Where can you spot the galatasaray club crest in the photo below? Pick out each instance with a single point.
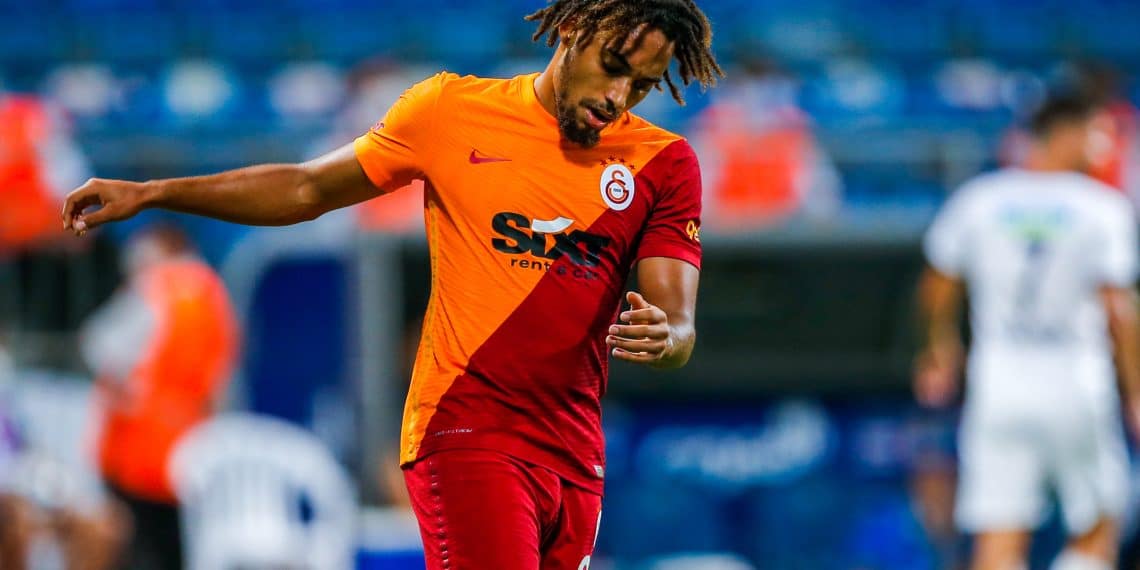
(617, 185)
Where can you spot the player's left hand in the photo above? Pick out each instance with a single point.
(645, 338)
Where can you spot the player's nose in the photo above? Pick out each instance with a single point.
(618, 94)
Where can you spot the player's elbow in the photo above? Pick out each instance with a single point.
(307, 203)
(1120, 307)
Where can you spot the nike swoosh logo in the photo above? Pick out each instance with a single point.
(551, 226)
(476, 159)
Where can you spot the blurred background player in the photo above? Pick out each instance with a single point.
(1049, 257)
(1116, 148)
(162, 350)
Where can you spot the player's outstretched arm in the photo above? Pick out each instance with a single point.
(264, 195)
(1124, 327)
(939, 361)
(658, 328)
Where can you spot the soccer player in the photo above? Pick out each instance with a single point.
(1049, 257)
(542, 193)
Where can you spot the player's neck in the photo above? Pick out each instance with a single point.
(1043, 159)
(544, 88)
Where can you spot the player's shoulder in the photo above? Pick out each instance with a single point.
(457, 88)
(994, 179)
(984, 186)
(1101, 196)
(636, 127)
(662, 143)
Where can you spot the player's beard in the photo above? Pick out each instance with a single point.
(572, 130)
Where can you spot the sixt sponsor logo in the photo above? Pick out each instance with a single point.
(547, 241)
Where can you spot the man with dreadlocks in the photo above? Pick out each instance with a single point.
(542, 193)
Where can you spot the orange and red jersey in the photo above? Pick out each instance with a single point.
(531, 241)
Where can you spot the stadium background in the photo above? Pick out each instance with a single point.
(789, 441)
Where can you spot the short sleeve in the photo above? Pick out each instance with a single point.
(946, 240)
(399, 148)
(674, 226)
(1118, 263)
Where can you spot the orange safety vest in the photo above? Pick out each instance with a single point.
(759, 170)
(176, 383)
(29, 212)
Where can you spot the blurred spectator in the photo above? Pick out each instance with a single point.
(45, 514)
(39, 164)
(760, 161)
(162, 349)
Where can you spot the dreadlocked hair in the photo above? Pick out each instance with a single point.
(680, 20)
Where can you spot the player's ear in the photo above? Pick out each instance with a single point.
(567, 33)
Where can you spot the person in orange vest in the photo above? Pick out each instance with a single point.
(162, 349)
(761, 163)
(38, 164)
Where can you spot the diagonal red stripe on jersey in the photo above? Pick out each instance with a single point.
(533, 389)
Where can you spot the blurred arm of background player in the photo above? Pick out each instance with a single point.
(265, 195)
(1124, 326)
(939, 363)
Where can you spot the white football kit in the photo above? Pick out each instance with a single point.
(1041, 416)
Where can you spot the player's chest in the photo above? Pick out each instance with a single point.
(542, 198)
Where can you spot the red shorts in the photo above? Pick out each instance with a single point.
(483, 510)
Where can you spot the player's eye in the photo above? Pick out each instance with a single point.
(611, 67)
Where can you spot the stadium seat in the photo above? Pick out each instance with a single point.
(1012, 29)
(899, 29)
(348, 36)
(128, 36)
(258, 492)
(33, 38)
(248, 36)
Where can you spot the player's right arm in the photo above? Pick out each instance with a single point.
(939, 362)
(941, 292)
(1117, 269)
(397, 150)
(264, 195)
(1123, 314)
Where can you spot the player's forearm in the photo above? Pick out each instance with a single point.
(265, 195)
(1124, 327)
(939, 305)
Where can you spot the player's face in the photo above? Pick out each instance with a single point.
(599, 81)
(1084, 143)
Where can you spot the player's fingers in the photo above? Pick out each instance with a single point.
(659, 332)
(636, 301)
(637, 357)
(91, 220)
(78, 201)
(648, 316)
(637, 345)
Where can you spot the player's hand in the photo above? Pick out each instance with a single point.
(645, 336)
(936, 374)
(116, 199)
